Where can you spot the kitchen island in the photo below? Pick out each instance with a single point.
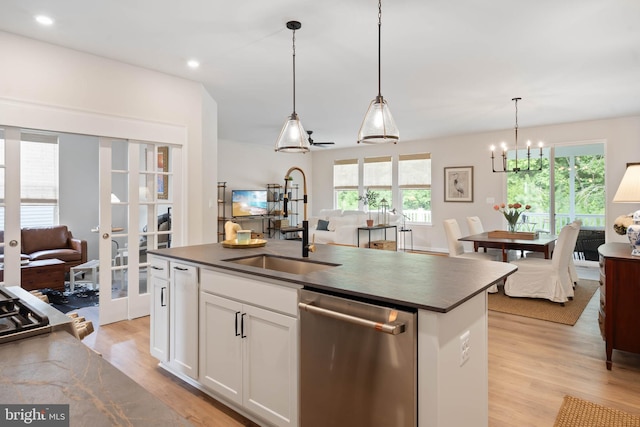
(448, 294)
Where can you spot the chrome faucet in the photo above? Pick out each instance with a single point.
(306, 247)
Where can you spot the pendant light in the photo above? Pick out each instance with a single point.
(378, 125)
(292, 137)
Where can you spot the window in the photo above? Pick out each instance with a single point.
(345, 184)
(377, 177)
(38, 180)
(414, 183)
(575, 190)
(412, 189)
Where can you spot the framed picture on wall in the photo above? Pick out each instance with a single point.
(458, 184)
(163, 166)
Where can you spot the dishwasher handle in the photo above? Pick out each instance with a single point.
(387, 328)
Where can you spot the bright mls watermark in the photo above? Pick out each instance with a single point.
(34, 415)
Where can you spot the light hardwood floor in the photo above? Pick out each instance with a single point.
(533, 364)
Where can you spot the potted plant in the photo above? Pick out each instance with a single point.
(370, 199)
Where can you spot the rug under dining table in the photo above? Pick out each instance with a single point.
(543, 309)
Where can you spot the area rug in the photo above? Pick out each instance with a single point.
(544, 309)
(576, 412)
(69, 301)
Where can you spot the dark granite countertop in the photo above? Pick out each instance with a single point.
(429, 282)
(57, 368)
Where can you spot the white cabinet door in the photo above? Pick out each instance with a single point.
(270, 365)
(159, 341)
(159, 322)
(221, 346)
(183, 336)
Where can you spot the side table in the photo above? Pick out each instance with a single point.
(89, 265)
(378, 227)
(404, 232)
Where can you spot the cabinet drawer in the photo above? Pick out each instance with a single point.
(603, 289)
(262, 294)
(601, 265)
(601, 322)
(159, 267)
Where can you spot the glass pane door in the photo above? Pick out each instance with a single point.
(136, 212)
(575, 172)
(579, 188)
(10, 205)
(531, 188)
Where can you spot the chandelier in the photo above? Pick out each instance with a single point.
(516, 167)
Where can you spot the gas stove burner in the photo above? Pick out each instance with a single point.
(18, 319)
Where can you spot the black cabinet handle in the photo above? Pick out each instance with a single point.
(162, 303)
(237, 333)
(242, 335)
(181, 268)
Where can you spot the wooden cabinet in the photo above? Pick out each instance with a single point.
(619, 316)
(158, 274)
(248, 345)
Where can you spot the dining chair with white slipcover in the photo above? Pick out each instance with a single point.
(546, 278)
(573, 273)
(475, 227)
(456, 248)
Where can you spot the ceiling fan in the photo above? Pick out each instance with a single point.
(312, 142)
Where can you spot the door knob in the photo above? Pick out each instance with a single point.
(105, 236)
(13, 243)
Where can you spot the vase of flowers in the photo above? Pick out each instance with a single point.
(512, 213)
(370, 199)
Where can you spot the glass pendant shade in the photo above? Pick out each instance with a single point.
(378, 126)
(293, 138)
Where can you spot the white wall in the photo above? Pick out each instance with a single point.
(622, 145)
(252, 166)
(43, 86)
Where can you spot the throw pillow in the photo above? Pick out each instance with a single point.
(322, 225)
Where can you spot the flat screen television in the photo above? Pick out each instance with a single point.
(248, 202)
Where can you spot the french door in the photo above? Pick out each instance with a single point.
(138, 207)
(10, 203)
(570, 186)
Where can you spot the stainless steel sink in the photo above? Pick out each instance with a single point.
(280, 263)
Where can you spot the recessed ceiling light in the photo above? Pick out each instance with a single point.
(44, 20)
(192, 63)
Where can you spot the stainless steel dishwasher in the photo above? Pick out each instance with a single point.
(358, 363)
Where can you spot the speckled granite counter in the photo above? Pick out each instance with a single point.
(57, 368)
(428, 282)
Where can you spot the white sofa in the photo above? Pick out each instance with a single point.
(342, 227)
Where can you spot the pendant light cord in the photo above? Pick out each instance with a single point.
(379, 43)
(294, 72)
(516, 129)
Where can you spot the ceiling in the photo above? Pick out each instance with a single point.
(448, 66)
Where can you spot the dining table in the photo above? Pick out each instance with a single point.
(543, 242)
